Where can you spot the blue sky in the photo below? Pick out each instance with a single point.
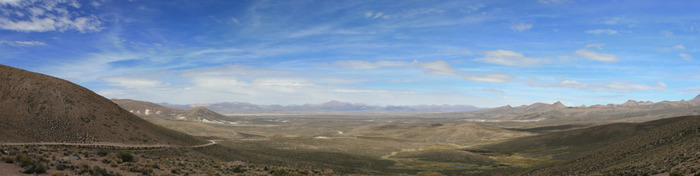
(482, 53)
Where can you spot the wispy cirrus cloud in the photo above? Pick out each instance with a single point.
(243, 83)
(444, 68)
(521, 27)
(602, 31)
(133, 82)
(620, 86)
(553, 1)
(405, 14)
(21, 43)
(595, 45)
(431, 68)
(361, 64)
(666, 33)
(592, 55)
(613, 21)
(510, 58)
(687, 57)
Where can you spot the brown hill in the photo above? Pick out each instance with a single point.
(41, 108)
(205, 115)
(146, 109)
(670, 147)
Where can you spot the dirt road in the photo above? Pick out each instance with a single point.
(110, 145)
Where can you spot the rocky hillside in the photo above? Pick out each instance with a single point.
(40, 108)
(146, 109)
(569, 144)
(669, 148)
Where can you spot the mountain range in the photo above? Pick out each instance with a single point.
(239, 107)
(630, 111)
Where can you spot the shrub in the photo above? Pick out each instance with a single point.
(125, 156)
(238, 170)
(676, 173)
(58, 174)
(100, 171)
(34, 168)
(8, 159)
(61, 166)
(24, 160)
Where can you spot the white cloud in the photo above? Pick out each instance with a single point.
(132, 83)
(493, 77)
(10, 2)
(553, 1)
(690, 90)
(431, 68)
(22, 43)
(360, 64)
(95, 3)
(591, 55)
(237, 83)
(666, 33)
(368, 14)
(47, 16)
(602, 31)
(317, 30)
(595, 45)
(438, 68)
(443, 68)
(521, 27)
(505, 57)
(378, 15)
(687, 57)
(215, 19)
(235, 20)
(613, 21)
(357, 64)
(627, 87)
(680, 47)
(608, 87)
(405, 14)
(493, 90)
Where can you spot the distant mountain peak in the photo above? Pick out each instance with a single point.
(696, 99)
(630, 103)
(199, 108)
(558, 104)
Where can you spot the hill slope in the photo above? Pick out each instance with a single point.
(41, 108)
(670, 147)
(570, 144)
(457, 133)
(151, 110)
